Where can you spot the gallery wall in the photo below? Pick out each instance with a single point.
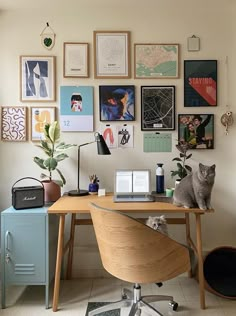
(168, 21)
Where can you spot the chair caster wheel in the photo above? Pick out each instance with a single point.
(159, 284)
(173, 305)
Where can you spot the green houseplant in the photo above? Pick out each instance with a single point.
(54, 150)
(182, 168)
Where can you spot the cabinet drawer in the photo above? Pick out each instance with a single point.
(25, 242)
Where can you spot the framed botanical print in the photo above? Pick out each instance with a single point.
(75, 60)
(117, 103)
(39, 116)
(111, 54)
(14, 123)
(157, 108)
(197, 130)
(156, 61)
(200, 83)
(37, 78)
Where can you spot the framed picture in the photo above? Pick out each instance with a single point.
(197, 130)
(37, 78)
(156, 61)
(39, 116)
(117, 103)
(75, 60)
(14, 123)
(157, 108)
(200, 83)
(76, 109)
(111, 54)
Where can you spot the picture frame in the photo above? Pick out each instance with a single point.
(200, 83)
(75, 60)
(157, 108)
(39, 116)
(111, 54)
(76, 109)
(14, 123)
(117, 103)
(37, 78)
(156, 61)
(197, 130)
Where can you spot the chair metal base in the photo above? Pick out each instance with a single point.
(136, 303)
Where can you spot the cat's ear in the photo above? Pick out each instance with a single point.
(163, 218)
(213, 167)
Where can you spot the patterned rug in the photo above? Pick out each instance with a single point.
(94, 305)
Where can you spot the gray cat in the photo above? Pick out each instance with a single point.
(195, 189)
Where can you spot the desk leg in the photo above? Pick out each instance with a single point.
(200, 261)
(60, 245)
(187, 224)
(71, 246)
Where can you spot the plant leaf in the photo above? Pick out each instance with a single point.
(54, 131)
(50, 163)
(61, 157)
(62, 177)
(39, 162)
(176, 159)
(188, 168)
(189, 156)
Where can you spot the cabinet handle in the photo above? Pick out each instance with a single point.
(6, 240)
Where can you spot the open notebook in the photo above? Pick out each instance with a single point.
(132, 186)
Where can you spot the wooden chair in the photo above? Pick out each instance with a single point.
(134, 252)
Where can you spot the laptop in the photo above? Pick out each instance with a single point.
(133, 186)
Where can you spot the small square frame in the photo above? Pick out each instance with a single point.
(111, 54)
(198, 136)
(157, 108)
(14, 123)
(39, 116)
(75, 60)
(37, 78)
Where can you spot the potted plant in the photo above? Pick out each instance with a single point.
(55, 152)
(182, 167)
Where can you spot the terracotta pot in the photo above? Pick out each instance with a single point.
(52, 191)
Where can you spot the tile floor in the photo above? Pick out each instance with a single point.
(75, 294)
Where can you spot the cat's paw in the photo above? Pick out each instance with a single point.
(204, 208)
(187, 206)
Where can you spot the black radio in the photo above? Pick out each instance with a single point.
(27, 196)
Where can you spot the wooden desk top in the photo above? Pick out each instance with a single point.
(80, 204)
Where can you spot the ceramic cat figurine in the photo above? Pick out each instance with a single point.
(195, 189)
(158, 223)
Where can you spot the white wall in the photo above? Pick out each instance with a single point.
(152, 21)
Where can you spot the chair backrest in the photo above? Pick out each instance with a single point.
(134, 252)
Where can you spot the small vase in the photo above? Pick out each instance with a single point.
(93, 188)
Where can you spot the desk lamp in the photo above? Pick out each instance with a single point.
(102, 149)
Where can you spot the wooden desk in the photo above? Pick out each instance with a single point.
(80, 205)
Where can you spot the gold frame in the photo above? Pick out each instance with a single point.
(26, 73)
(109, 62)
(6, 128)
(42, 121)
(82, 69)
(157, 75)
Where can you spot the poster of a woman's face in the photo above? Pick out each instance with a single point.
(197, 130)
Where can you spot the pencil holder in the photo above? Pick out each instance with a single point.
(93, 188)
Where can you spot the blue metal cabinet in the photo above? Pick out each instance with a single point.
(28, 243)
